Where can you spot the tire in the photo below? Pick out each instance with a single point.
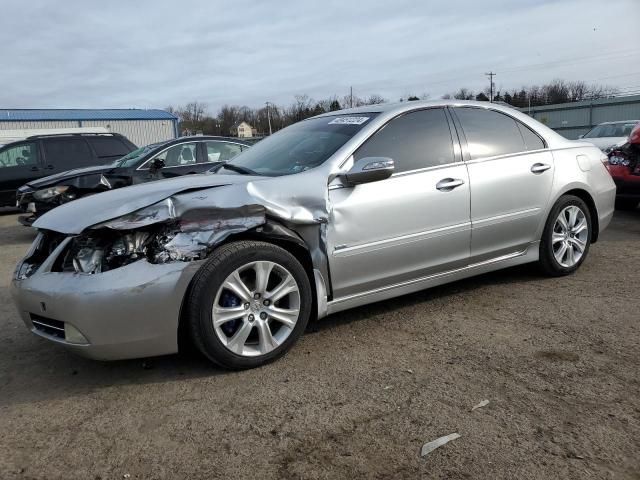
(241, 337)
(554, 231)
(626, 203)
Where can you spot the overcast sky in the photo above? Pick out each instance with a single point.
(150, 54)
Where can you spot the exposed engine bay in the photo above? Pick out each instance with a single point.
(190, 237)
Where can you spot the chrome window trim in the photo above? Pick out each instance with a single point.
(506, 155)
(427, 169)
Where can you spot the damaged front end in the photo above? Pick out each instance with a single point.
(159, 233)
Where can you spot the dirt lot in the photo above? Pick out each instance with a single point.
(558, 359)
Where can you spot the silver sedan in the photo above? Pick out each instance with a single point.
(337, 211)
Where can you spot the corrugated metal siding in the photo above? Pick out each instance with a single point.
(140, 132)
(574, 119)
(37, 125)
(26, 114)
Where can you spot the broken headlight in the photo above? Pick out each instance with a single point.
(158, 234)
(49, 193)
(98, 252)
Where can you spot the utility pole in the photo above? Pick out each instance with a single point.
(269, 117)
(490, 75)
(351, 97)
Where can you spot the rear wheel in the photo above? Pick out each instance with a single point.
(249, 304)
(567, 236)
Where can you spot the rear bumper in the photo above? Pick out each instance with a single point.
(129, 312)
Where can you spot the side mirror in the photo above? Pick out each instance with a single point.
(369, 169)
(157, 164)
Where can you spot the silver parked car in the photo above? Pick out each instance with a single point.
(336, 211)
(609, 135)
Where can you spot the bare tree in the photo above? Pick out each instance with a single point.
(375, 99)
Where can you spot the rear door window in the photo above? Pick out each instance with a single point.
(180, 155)
(489, 133)
(67, 153)
(108, 147)
(21, 155)
(414, 140)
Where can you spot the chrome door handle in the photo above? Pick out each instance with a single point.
(448, 184)
(540, 167)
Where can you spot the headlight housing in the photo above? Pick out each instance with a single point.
(617, 158)
(49, 193)
(158, 212)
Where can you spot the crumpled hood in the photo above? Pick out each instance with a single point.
(605, 142)
(59, 178)
(76, 216)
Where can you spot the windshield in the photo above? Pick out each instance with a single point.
(300, 147)
(132, 158)
(611, 130)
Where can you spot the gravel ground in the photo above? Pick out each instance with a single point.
(558, 360)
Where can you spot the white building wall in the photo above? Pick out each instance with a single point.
(140, 132)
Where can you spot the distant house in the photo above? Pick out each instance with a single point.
(243, 130)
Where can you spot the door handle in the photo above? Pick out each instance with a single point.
(49, 167)
(34, 169)
(540, 167)
(448, 184)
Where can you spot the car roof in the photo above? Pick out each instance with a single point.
(201, 138)
(619, 121)
(387, 111)
(417, 104)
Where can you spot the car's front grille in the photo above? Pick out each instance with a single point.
(52, 327)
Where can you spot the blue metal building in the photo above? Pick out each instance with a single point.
(142, 127)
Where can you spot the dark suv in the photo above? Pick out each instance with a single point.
(40, 155)
(172, 158)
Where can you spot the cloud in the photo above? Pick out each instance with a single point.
(156, 53)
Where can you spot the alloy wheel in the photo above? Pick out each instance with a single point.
(256, 308)
(570, 236)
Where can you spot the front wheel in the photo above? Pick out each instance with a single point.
(567, 236)
(249, 304)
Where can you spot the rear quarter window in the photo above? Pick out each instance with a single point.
(108, 147)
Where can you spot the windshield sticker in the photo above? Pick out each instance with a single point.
(348, 120)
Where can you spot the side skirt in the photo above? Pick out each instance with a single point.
(530, 254)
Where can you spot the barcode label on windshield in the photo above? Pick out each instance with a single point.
(348, 120)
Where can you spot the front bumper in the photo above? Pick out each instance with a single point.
(130, 312)
(627, 182)
(26, 203)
